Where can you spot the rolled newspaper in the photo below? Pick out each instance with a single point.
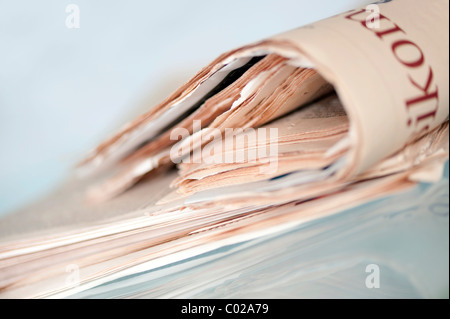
(385, 128)
(387, 62)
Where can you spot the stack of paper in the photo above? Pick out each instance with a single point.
(265, 138)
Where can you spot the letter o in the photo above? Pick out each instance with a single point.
(412, 64)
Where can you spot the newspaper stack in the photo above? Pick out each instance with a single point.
(267, 137)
